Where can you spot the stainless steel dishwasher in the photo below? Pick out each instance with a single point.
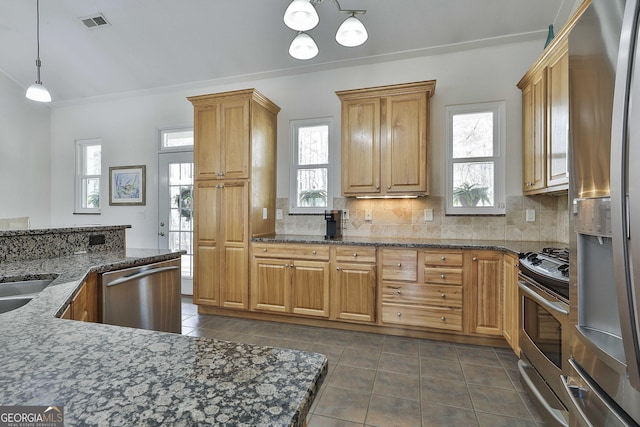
(145, 297)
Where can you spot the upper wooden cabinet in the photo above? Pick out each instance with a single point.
(545, 122)
(385, 140)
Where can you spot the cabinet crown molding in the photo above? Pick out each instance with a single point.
(428, 86)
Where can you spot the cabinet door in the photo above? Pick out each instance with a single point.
(234, 144)
(511, 303)
(485, 291)
(404, 143)
(234, 264)
(206, 281)
(270, 285)
(353, 292)
(207, 142)
(84, 306)
(361, 146)
(558, 137)
(534, 134)
(310, 288)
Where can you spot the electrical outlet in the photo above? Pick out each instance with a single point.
(278, 213)
(345, 214)
(367, 215)
(428, 214)
(530, 215)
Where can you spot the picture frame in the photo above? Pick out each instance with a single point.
(127, 185)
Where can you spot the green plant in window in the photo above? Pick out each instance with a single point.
(313, 197)
(470, 195)
(93, 200)
(184, 202)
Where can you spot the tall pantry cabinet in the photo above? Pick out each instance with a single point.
(234, 191)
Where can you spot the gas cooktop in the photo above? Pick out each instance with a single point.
(549, 268)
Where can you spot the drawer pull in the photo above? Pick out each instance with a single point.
(355, 254)
(399, 264)
(443, 296)
(398, 292)
(475, 259)
(264, 249)
(443, 258)
(286, 265)
(443, 318)
(314, 252)
(398, 314)
(442, 276)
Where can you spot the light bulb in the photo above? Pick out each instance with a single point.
(37, 92)
(351, 32)
(301, 15)
(303, 47)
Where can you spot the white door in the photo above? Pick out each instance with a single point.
(175, 215)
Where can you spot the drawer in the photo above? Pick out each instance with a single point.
(433, 295)
(427, 317)
(311, 252)
(444, 276)
(355, 254)
(443, 259)
(399, 265)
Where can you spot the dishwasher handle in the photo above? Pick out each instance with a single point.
(140, 275)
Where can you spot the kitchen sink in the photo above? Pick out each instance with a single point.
(15, 294)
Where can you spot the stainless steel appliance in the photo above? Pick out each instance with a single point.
(334, 224)
(543, 283)
(145, 297)
(602, 383)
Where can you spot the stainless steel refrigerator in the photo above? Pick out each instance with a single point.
(604, 379)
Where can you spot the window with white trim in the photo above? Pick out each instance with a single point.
(88, 172)
(475, 160)
(310, 191)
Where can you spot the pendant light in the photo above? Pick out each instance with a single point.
(301, 15)
(37, 91)
(303, 47)
(352, 32)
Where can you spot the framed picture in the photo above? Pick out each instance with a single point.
(127, 185)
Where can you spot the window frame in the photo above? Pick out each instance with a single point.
(294, 125)
(174, 129)
(499, 159)
(80, 147)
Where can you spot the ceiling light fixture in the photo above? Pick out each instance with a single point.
(301, 16)
(37, 92)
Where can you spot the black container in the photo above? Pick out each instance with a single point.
(334, 224)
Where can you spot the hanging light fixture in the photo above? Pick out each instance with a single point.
(352, 32)
(303, 47)
(301, 15)
(37, 92)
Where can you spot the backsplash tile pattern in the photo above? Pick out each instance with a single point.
(24, 245)
(404, 218)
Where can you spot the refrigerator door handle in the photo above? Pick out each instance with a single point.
(140, 275)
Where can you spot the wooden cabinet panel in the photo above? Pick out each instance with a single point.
(310, 288)
(444, 276)
(512, 309)
(353, 292)
(534, 141)
(206, 283)
(84, 306)
(558, 133)
(355, 254)
(443, 259)
(484, 305)
(206, 151)
(234, 144)
(414, 293)
(429, 317)
(269, 285)
(385, 139)
(276, 250)
(399, 264)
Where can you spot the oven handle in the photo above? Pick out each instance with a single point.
(555, 413)
(549, 304)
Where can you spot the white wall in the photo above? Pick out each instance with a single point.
(128, 127)
(24, 156)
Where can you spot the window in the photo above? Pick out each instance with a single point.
(88, 170)
(310, 191)
(176, 139)
(475, 159)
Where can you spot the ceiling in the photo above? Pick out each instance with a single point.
(152, 44)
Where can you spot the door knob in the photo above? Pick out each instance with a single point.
(161, 233)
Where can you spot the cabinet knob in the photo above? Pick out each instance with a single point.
(314, 252)
(398, 314)
(286, 265)
(443, 258)
(398, 292)
(475, 259)
(388, 187)
(377, 187)
(338, 268)
(264, 249)
(443, 296)
(443, 318)
(399, 264)
(442, 276)
(355, 254)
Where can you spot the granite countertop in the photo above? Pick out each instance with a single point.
(500, 245)
(111, 375)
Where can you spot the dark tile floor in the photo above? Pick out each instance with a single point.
(378, 380)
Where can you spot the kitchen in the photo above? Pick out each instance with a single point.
(121, 120)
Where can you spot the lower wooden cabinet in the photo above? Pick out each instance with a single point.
(484, 288)
(84, 306)
(353, 284)
(511, 311)
(284, 280)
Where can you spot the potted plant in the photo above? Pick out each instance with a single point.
(313, 197)
(470, 195)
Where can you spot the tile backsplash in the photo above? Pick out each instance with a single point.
(405, 218)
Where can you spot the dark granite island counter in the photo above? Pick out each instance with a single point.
(108, 375)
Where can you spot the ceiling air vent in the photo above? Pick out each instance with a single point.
(95, 21)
